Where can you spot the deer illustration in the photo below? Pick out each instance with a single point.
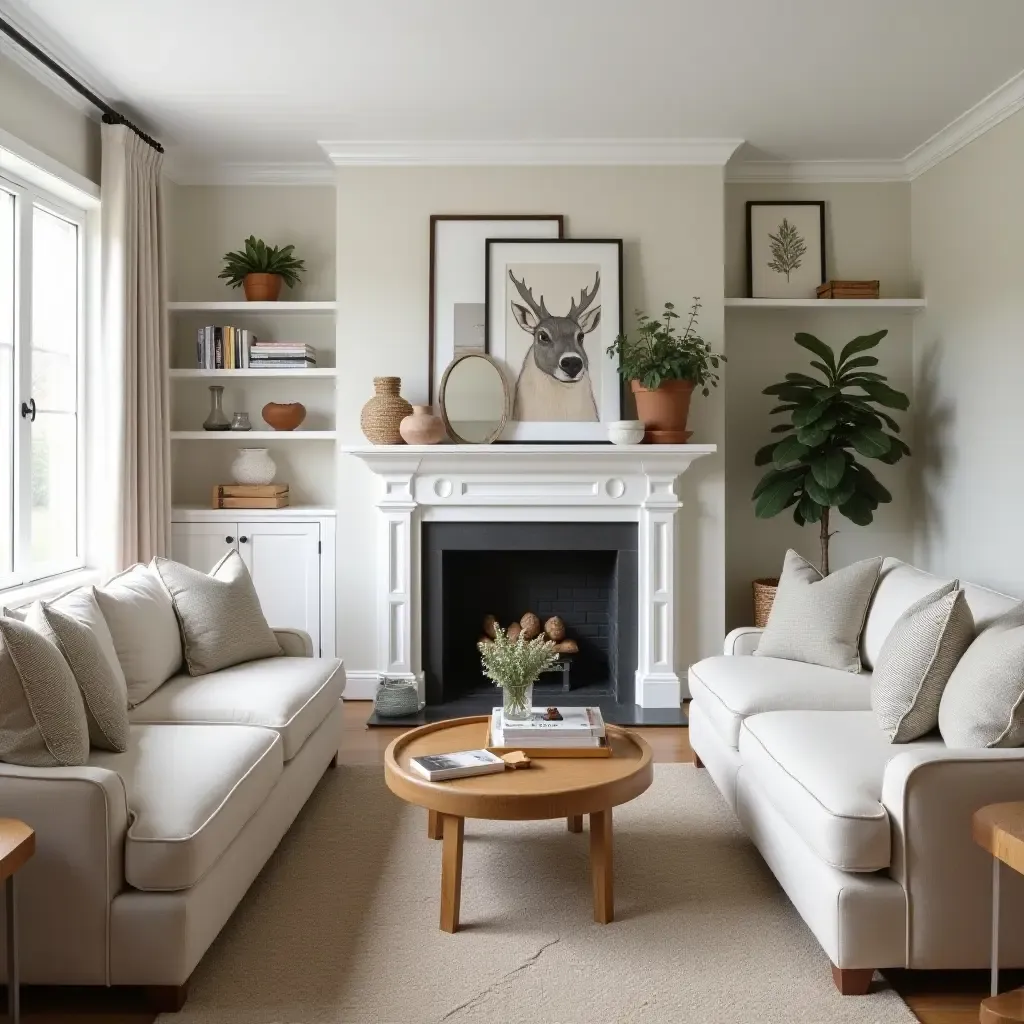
(554, 382)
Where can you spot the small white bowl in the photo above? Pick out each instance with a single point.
(625, 432)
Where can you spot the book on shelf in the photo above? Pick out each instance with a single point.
(459, 765)
(579, 728)
(223, 348)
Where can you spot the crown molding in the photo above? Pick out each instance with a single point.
(183, 172)
(531, 152)
(995, 107)
(815, 171)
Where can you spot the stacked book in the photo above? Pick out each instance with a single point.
(573, 727)
(281, 355)
(223, 348)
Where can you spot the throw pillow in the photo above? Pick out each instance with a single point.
(104, 696)
(818, 619)
(916, 661)
(983, 703)
(221, 620)
(42, 720)
(140, 616)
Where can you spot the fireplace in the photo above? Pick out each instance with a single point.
(583, 572)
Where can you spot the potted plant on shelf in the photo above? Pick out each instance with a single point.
(515, 665)
(832, 417)
(261, 269)
(663, 367)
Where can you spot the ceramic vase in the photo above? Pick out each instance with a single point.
(217, 420)
(253, 466)
(284, 415)
(421, 426)
(382, 415)
(664, 410)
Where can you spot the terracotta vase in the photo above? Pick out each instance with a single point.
(382, 416)
(262, 287)
(664, 410)
(284, 415)
(421, 426)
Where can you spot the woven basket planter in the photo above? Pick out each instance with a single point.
(383, 414)
(764, 597)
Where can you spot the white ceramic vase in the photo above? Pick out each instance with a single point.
(253, 466)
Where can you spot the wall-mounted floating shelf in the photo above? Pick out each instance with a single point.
(865, 305)
(241, 306)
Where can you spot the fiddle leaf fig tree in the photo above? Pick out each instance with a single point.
(833, 417)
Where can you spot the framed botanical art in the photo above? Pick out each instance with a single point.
(785, 248)
(457, 281)
(553, 308)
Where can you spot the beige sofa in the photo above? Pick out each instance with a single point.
(870, 840)
(142, 856)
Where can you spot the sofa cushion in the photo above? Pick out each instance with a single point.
(290, 695)
(191, 789)
(822, 771)
(729, 688)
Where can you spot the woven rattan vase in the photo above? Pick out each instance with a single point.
(764, 596)
(382, 414)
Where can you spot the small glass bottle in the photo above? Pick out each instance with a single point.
(240, 421)
(217, 420)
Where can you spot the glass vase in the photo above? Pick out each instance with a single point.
(217, 420)
(517, 702)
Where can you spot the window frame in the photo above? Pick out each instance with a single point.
(28, 197)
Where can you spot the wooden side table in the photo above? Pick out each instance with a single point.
(999, 828)
(17, 844)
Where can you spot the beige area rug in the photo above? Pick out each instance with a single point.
(341, 927)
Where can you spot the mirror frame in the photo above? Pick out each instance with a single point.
(506, 398)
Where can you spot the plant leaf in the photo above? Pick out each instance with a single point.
(771, 476)
(868, 483)
(788, 450)
(813, 436)
(896, 452)
(860, 361)
(858, 510)
(764, 455)
(818, 347)
(807, 414)
(781, 428)
(810, 510)
(776, 496)
(861, 344)
(828, 469)
(885, 395)
(871, 442)
(815, 491)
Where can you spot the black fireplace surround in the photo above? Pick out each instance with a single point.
(585, 573)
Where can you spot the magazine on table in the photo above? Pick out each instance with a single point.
(459, 765)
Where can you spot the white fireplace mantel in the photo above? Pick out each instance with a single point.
(531, 483)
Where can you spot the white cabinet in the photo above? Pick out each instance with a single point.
(290, 558)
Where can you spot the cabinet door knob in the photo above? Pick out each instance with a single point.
(229, 540)
(243, 540)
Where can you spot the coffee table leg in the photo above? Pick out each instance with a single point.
(453, 829)
(575, 822)
(601, 866)
(433, 825)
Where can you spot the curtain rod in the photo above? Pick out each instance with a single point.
(110, 115)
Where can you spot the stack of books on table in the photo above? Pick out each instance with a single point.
(281, 355)
(576, 728)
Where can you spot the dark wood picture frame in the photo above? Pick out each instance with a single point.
(431, 285)
(820, 203)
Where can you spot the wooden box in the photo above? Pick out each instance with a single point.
(250, 496)
(848, 290)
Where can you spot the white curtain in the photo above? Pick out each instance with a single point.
(134, 350)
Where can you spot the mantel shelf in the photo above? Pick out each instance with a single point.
(907, 305)
(241, 306)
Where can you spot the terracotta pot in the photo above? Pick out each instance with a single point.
(262, 287)
(382, 415)
(664, 410)
(284, 415)
(421, 426)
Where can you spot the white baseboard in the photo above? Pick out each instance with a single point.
(361, 685)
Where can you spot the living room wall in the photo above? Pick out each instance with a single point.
(671, 222)
(867, 237)
(967, 218)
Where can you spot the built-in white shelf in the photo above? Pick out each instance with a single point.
(241, 306)
(909, 305)
(320, 372)
(204, 514)
(241, 436)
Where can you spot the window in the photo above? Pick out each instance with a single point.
(41, 334)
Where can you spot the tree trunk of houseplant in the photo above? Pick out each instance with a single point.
(262, 287)
(664, 410)
(825, 535)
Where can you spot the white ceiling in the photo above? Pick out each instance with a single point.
(263, 80)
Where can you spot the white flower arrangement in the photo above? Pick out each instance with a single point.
(515, 665)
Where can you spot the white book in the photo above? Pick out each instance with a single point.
(463, 763)
(501, 738)
(573, 722)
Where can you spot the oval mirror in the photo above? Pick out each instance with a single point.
(474, 399)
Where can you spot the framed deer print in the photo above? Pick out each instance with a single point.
(785, 248)
(553, 308)
(457, 282)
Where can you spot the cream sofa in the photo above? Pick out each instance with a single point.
(870, 840)
(142, 856)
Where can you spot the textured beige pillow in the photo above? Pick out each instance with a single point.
(221, 620)
(916, 661)
(104, 696)
(42, 720)
(819, 619)
(983, 702)
(141, 620)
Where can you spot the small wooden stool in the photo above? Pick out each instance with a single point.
(17, 844)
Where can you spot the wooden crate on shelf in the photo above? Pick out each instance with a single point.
(848, 290)
(250, 496)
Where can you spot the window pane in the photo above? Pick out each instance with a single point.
(54, 311)
(6, 381)
(54, 488)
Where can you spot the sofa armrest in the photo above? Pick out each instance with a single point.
(295, 643)
(930, 795)
(80, 816)
(743, 640)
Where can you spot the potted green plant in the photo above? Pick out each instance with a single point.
(832, 417)
(663, 367)
(515, 665)
(261, 269)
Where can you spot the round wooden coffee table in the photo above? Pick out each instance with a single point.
(555, 787)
